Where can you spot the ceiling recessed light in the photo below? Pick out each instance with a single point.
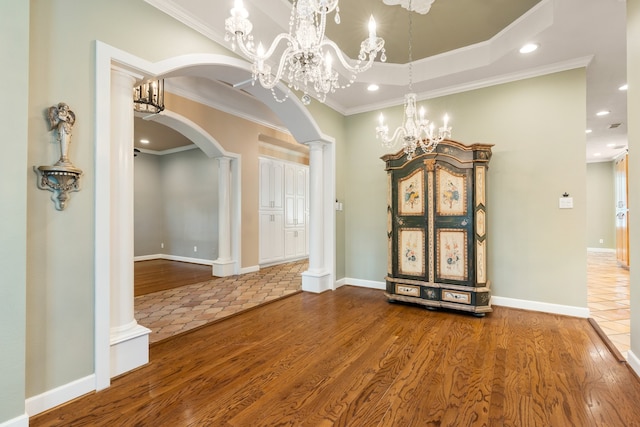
(529, 47)
(602, 113)
(624, 87)
(611, 145)
(596, 154)
(373, 87)
(588, 131)
(144, 141)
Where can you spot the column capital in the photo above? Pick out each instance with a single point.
(123, 72)
(316, 145)
(224, 160)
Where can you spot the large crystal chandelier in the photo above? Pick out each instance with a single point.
(307, 62)
(416, 131)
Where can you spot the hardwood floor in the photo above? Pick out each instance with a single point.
(350, 358)
(160, 274)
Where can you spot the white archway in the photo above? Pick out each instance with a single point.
(108, 203)
(229, 215)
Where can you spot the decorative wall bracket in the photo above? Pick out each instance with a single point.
(63, 177)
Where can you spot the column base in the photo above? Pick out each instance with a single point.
(223, 268)
(316, 282)
(129, 349)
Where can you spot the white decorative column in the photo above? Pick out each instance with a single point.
(129, 342)
(317, 278)
(224, 265)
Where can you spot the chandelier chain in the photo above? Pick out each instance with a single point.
(410, 50)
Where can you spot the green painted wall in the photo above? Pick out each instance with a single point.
(14, 85)
(333, 124)
(601, 205)
(537, 251)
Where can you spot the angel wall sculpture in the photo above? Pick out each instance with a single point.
(62, 177)
(62, 119)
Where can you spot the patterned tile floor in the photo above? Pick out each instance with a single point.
(608, 298)
(177, 310)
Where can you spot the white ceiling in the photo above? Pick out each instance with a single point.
(571, 33)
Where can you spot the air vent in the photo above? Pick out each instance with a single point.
(614, 125)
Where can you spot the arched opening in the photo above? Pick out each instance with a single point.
(111, 206)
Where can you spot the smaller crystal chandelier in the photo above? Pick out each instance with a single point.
(417, 131)
(306, 62)
(149, 97)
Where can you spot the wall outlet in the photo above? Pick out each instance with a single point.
(601, 240)
(195, 249)
(161, 245)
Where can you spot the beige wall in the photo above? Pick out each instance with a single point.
(238, 136)
(633, 113)
(14, 86)
(536, 251)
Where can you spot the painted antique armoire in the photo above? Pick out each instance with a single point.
(436, 227)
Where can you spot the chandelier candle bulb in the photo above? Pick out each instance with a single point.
(328, 62)
(372, 31)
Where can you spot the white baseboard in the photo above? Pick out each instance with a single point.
(633, 361)
(501, 301)
(147, 257)
(544, 307)
(173, 258)
(251, 269)
(21, 421)
(362, 283)
(601, 250)
(59, 395)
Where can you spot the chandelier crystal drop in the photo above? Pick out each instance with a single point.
(416, 131)
(307, 60)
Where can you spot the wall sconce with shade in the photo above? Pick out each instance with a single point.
(63, 177)
(149, 97)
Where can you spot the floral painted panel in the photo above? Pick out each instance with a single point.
(452, 250)
(411, 259)
(411, 194)
(452, 193)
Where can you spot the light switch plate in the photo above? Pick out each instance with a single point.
(566, 203)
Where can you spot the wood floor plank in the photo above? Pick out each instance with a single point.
(160, 274)
(350, 358)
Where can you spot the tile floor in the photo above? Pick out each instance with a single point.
(177, 310)
(608, 297)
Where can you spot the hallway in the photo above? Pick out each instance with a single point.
(608, 298)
